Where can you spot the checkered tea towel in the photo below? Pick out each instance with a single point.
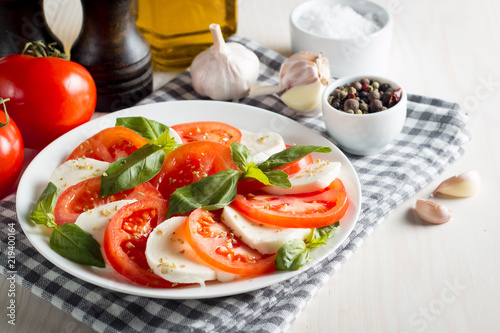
(431, 140)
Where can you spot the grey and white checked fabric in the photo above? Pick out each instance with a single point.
(431, 140)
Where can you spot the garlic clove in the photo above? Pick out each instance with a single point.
(432, 212)
(305, 98)
(224, 71)
(299, 73)
(463, 185)
(303, 77)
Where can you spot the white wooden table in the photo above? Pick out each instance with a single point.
(407, 276)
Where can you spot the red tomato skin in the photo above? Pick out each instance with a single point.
(191, 162)
(11, 154)
(208, 131)
(48, 96)
(207, 235)
(334, 197)
(84, 195)
(115, 236)
(104, 145)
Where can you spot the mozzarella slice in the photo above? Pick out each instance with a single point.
(95, 221)
(74, 171)
(264, 238)
(174, 135)
(316, 177)
(262, 145)
(170, 256)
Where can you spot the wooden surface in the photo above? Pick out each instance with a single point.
(407, 276)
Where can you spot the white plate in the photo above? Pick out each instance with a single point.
(36, 177)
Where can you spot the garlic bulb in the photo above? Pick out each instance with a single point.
(224, 71)
(463, 185)
(303, 78)
(432, 212)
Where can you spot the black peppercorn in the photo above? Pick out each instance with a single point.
(336, 93)
(373, 95)
(364, 81)
(386, 97)
(376, 105)
(351, 104)
(357, 85)
(383, 87)
(336, 105)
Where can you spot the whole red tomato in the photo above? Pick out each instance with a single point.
(11, 152)
(48, 96)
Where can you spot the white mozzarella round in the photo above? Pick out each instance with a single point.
(174, 135)
(74, 171)
(94, 221)
(316, 177)
(263, 238)
(262, 145)
(170, 256)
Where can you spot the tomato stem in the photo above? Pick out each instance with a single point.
(2, 101)
(38, 49)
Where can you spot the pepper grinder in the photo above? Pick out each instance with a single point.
(23, 21)
(115, 53)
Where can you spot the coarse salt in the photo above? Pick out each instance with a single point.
(337, 22)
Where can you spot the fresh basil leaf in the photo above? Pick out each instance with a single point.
(289, 155)
(212, 192)
(329, 231)
(74, 243)
(317, 242)
(295, 253)
(166, 142)
(256, 173)
(148, 129)
(278, 178)
(42, 212)
(292, 256)
(128, 172)
(241, 156)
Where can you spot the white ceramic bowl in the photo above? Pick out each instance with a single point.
(364, 134)
(364, 54)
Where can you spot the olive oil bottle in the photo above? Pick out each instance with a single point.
(177, 30)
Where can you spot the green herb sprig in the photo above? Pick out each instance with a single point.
(295, 254)
(68, 240)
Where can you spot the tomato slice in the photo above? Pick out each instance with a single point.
(208, 131)
(250, 184)
(191, 162)
(125, 241)
(109, 144)
(221, 249)
(85, 195)
(309, 210)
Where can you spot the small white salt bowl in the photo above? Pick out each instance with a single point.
(363, 53)
(364, 134)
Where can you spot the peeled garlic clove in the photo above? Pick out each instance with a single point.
(432, 212)
(463, 185)
(225, 71)
(294, 98)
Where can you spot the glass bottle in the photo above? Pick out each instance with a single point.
(177, 30)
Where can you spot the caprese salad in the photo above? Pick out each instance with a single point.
(195, 202)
